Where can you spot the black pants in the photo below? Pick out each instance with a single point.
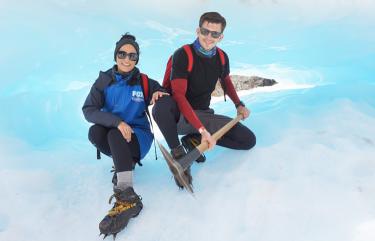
(111, 142)
(167, 115)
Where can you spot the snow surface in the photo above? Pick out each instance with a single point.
(311, 177)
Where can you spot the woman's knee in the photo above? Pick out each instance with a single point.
(97, 133)
(114, 134)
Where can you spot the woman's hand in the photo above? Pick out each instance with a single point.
(126, 131)
(156, 95)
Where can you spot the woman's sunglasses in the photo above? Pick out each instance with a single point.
(123, 55)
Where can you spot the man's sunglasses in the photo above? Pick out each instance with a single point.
(123, 55)
(205, 32)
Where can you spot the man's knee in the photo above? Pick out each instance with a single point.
(162, 107)
(246, 137)
(252, 140)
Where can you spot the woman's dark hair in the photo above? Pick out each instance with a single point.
(126, 39)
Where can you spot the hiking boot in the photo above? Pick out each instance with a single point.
(190, 141)
(177, 153)
(128, 205)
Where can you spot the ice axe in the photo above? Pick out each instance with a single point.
(178, 166)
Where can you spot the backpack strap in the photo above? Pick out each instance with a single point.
(222, 81)
(145, 89)
(168, 70)
(98, 156)
(189, 54)
(222, 57)
(167, 75)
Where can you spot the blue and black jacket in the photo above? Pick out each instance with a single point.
(114, 98)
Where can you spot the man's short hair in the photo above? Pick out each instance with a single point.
(213, 17)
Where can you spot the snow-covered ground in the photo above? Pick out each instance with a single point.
(311, 177)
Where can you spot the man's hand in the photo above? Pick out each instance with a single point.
(156, 95)
(206, 137)
(242, 110)
(126, 131)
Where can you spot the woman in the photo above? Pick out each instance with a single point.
(117, 106)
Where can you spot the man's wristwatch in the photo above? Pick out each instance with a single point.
(240, 104)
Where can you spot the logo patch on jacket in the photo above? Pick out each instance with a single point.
(137, 96)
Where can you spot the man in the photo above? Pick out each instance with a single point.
(188, 110)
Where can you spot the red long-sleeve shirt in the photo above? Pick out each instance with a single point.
(192, 91)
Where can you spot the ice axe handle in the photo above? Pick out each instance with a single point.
(186, 161)
(218, 134)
